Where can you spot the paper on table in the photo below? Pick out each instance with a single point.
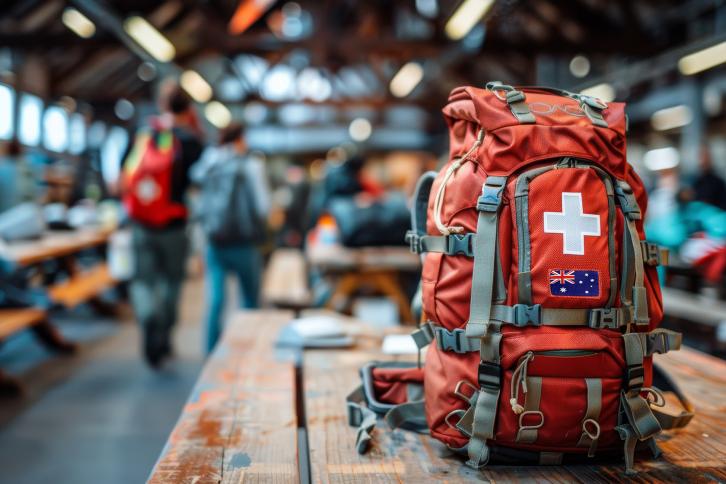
(399, 344)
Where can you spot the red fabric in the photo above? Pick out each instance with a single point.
(712, 265)
(147, 192)
(510, 148)
(390, 384)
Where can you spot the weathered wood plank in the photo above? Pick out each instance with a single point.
(697, 453)
(82, 286)
(239, 424)
(54, 245)
(14, 320)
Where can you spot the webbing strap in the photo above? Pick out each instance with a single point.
(594, 405)
(666, 417)
(421, 202)
(482, 427)
(484, 252)
(627, 434)
(361, 417)
(523, 315)
(640, 416)
(653, 254)
(409, 415)
(632, 292)
(423, 336)
(527, 434)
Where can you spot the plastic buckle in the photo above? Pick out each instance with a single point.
(450, 340)
(414, 241)
(635, 377)
(651, 253)
(627, 202)
(593, 102)
(491, 195)
(525, 315)
(459, 244)
(600, 318)
(490, 375)
(657, 343)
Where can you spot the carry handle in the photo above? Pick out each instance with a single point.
(591, 107)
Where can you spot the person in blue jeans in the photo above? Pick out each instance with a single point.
(239, 253)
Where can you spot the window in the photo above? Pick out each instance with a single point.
(76, 134)
(112, 150)
(29, 129)
(7, 111)
(55, 129)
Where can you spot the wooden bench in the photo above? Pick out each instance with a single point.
(285, 282)
(13, 321)
(240, 423)
(82, 286)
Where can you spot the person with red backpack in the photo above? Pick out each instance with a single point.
(154, 182)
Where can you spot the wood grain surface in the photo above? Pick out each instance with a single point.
(694, 454)
(54, 245)
(239, 424)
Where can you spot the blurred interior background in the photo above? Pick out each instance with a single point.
(320, 87)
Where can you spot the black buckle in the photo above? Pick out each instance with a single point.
(635, 377)
(525, 315)
(600, 318)
(627, 202)
(490, 375)
(414, 241)
(491, 194)
(459, 244)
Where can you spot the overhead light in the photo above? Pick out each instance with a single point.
(218, 114)
(604, 92)
(195, 85)
(703, 59)
(150, 39)
(124, 109)
(360, 129)
(580, 66)
(671, 118)
(661, 158)
(466, 17)
(406, 79)
(78, 23)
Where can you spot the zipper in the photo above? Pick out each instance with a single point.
(565, 353)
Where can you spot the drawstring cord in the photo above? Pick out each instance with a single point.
(438, 201)
(519, 376)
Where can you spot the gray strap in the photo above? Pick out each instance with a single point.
(523, 315)
(632, 293)
(361, 417)
(630, 440)
(482, 427)
(594, 405)
(640, 416)
(528, 434)
(484, 252)
(636, 408)
(515, 99)
(669, 420)
(593, 109)
(409, 415)
(455, 340)
(423, 336)
(421, 202)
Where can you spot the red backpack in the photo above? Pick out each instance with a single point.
(147, 178)
(540, 294)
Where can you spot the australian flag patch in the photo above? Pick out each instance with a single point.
(571, 283)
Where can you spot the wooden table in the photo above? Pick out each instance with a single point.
(376, 267)
(285, 282)
(240, 423)
(54, 245)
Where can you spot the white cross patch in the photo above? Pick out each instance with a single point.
(572, 224)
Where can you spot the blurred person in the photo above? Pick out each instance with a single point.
(233, 209)
(708, 187)
(17, 183)
(154, 183)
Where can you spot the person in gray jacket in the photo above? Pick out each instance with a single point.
(232, 211)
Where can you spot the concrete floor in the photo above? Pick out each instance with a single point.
(100, 415)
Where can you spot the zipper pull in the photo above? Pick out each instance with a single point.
(519, 376)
